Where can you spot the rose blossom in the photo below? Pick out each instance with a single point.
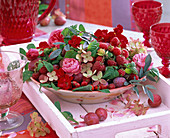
(139, 60)
(71, 66)
(32, 54)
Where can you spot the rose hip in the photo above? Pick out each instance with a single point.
(101, 113)
(91, 119)
(157, 101)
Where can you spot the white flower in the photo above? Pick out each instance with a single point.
(52, 76)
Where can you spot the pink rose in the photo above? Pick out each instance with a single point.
(55, 36)
(139, 60)
(32, 54)
(71, 66)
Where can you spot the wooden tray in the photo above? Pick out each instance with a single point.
(110, 127)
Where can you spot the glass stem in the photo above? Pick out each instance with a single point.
(3, 114)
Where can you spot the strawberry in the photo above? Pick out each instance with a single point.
(157, 101)
(98, 66)
(116, 51)
(115, 41)
(121, 60)
(121, 72)
(133, 76)
(103, 45)
(75, 84)
(99, 58)
(111, 62)
(84, 83)
(35, 75)
(119, 81)
(125, 53)
(43, 70)
(111, 86)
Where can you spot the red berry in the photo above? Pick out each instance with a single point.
(121, 72)
(115, 41)
(99, 58)
(43, 78)
(35, 75)
(119, 81)
(125, 53)
(103, 87)
(121, 60)
(88, 80)
(78, 77)
(101, 113)
(111, 62)
(84, 83)
(75, 84)
(98, 66)
(103, 45)
(133, 76)
(92, 88)
(33, 64)
(116, 51)
(43, 70)
(97, 87)
(157, 101)
(111, 86)
(91, 119)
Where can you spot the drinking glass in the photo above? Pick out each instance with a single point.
(11, 83)
(146, 13)
(160, 40)
(18, 19)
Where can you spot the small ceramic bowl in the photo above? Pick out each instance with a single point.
(87, 97)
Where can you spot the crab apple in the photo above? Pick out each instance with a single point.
(157, 101)
(45, 21)
(60, 20)
(101, 113)
(91, 118)
(43, 78)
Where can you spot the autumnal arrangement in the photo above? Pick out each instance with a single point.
(76, 60)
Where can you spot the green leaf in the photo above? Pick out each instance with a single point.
(71, 54)
(26, 66)
(43, 7)
(54, 87)
(83, 88)
(81, 28)
(48, 65)
(149, 93)
(126, 83)
(69, 116)
(105, 91)
(148, 61)
(93, 47)
(55, 53)
(65, 32)
(40, 65)
(13, 65)
(57, 105)
(22, 51)
(110, 73)
(44, 85)
(141, 73)
(134, 70)
(67, 47)
(136, 81)
(150, 86)
(29, 46)
(58, 43)
(150, 78)
(136, 90)
(26, 75)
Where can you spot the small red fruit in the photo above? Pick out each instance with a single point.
(101, 113)
(111, 62)
(60, 20)
(115, 41)
(45, 21)
(91, 118)
(103, 87)
(75, 84)
(116, 51)
(84, 83)
(35, 75)
(92, 88)
(121, 72)
(43, 70)
(104, 45)
(157, 101)
(111, 86)
(125, 53)
(99, 58)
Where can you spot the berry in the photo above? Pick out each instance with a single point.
(43, 78)
(88, 80)
(111, 62)
(125, 53)
(121, 60)
(78, 77)
(92, 88)
(43, 70)
(99, 58)
(33, 64)
(111, 86)
(115, 41)
(84, 83)
(103, 87)
(55, 67)
(157, 101)
(133, 76)
(35, 75)
(101, 113)
(116, 51)
(119, 81)
(91, 119)
(75, 84)
(121, 72)
(103, 45)
(98, 66)
(97, 87)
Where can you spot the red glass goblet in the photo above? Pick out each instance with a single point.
(160, 40)
(146, 13)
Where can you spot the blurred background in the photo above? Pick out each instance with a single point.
(105, 12)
